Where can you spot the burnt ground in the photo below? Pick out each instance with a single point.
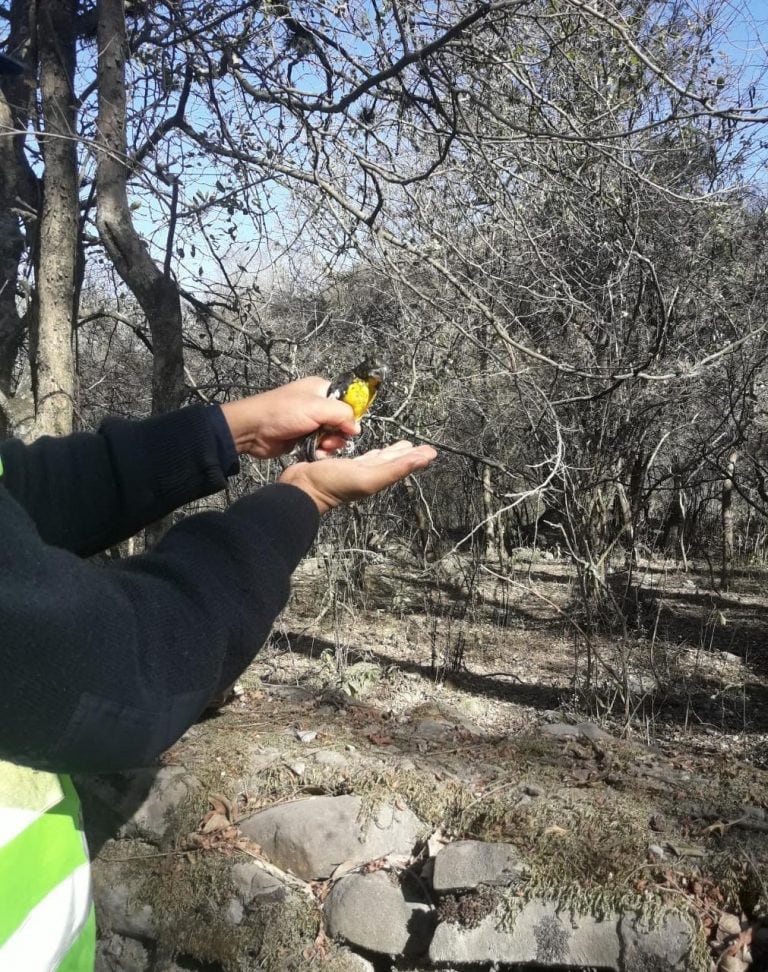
(449, 703)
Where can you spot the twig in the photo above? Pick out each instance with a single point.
(461, 749)
(496, 675)
(244, 725)
(139, 857)
(276, 872)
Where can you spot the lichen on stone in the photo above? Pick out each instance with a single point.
(468, 910)
(551, 940)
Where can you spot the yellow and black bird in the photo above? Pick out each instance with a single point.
(358, 388)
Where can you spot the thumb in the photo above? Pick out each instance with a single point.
(335, 414)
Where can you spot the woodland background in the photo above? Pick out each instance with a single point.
(548, 215)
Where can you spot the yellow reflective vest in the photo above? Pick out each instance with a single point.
(46, 912)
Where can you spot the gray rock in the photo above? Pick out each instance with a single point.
(433, 729)
(118, 896)
(117, 954)
(469, 863)
(728, 656)
(140, 803)
(539, 933)
(312, 837)
(756, 814)
(329, 757)
(665, 944)
(233, 913)
(292, 693)
(585, 730)
(370, 911)
(252, 883)
(306, 736)
(346, 961)
(262, 757)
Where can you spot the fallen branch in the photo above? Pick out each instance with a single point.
(276, 872)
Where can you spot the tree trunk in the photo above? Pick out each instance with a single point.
(675, 533)
(490, 526)
(57, 255)
(11, 241)
(19, 193)
(155, 291)
(424, 534)
(727, 514)
(627, 527)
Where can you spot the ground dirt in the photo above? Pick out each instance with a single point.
(446, 703)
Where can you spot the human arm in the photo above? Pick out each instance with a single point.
(86, 491)
(271, 423)
(335, 481)
(89, 490)
(105, 667)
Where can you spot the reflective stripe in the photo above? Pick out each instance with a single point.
(25, 794)
(51, 927)
(46, 913)
(80, 958)
(36, 862)
(14, 821)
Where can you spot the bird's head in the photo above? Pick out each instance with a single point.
(373, 368)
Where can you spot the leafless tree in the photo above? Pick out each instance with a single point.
(538, 211)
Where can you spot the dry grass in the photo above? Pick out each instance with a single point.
(582, 814)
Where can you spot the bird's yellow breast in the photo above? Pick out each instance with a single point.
(360, 394)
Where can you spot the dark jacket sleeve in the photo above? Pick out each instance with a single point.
(87, 491)
(103, 667)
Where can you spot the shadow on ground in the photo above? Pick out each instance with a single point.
(687, 701)
(702, 619)
(537, 696)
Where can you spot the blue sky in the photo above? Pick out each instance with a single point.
(745, 46)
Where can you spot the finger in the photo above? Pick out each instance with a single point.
(329, 444)
(336, 415)
(392, 469)
(366, 458)
(388, 452)
(315, 384)
(406, 462)
(424, 455)
(397, 448)
(418, 458)
(429, 452)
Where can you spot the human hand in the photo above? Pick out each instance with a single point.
(335, 481)
(270, 424)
